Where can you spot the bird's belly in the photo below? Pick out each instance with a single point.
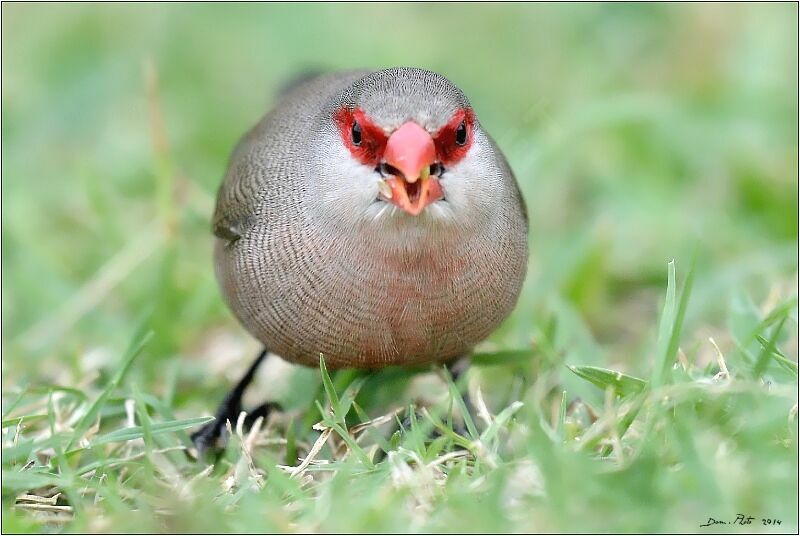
(396, 311)
(385, 323)
(366, 311)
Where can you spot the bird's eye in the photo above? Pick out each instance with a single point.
(356, 133)
(461, 134)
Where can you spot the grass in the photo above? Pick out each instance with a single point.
(646, 382)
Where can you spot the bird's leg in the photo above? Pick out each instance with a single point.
(211, 436)
(457, 368)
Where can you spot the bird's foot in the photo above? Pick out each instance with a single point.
(213, 436)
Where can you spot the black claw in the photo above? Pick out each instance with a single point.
(260, 411)
(212, 437)
(405, 424)
(209, 438)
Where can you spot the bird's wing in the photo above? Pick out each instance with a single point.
(237, 198)
(517, 195)
(263, 159)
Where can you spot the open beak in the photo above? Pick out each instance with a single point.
(410, 152)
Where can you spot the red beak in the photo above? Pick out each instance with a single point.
(410, 150)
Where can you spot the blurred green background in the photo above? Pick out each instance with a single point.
(638, 132)
(635, 132)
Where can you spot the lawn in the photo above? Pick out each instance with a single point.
(646, 382)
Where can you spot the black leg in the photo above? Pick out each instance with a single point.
(211, 436)
(457, 368)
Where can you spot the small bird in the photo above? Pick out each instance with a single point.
(368, 218)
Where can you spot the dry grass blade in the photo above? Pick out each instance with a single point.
(44, 507)
(723, 373)
(38, 499)
(318, 444)
(480, 407)
(377, 421)
(454, 455)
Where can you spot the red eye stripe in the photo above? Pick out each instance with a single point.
(373, 139)
(447, 149)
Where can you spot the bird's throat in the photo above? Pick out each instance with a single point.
(413, 197)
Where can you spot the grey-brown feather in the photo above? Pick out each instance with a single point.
(366, 292)
(268, 152)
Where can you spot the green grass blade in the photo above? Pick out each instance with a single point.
(13, 421)
(455, 394)
(669, 331)
(677, 326)
(350, 395)
(137, 432)
(26, 480)
(625, 422)
(330, 391)
(622, 384)
(778, 356)
(8, 408)
(290, 456)
(502, 418)
(768, 350)
(507, 357)
(448, 432)
(354, 447)
(140, 339)
(665, 329)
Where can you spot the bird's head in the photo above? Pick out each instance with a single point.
(403, 146)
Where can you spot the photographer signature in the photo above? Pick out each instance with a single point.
(742, 519)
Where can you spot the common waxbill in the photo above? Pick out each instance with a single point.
(371, 219)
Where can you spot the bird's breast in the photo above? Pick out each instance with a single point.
(365, 304)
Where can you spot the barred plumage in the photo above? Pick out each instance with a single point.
(311, 261)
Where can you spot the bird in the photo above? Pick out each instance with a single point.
(371, 219)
